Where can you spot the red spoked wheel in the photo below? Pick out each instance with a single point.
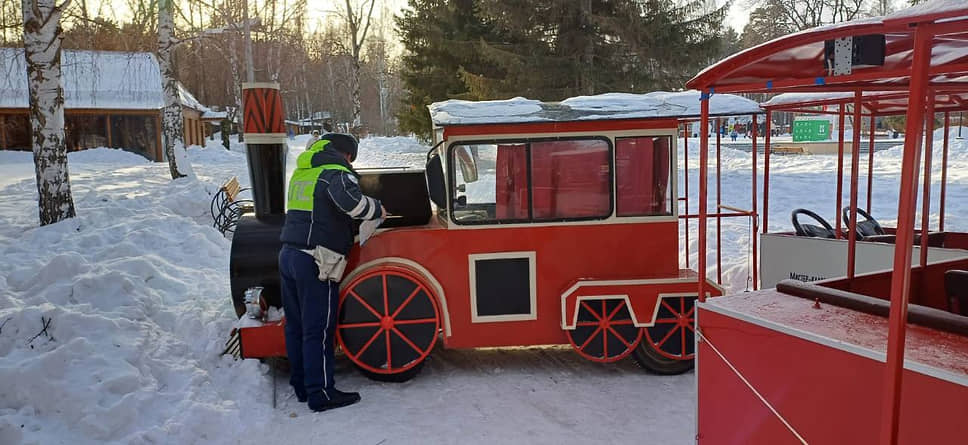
(605, 331)
(669, 345)
(388, 323)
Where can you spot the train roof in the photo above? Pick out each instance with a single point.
(795, 62)
(608, 106)
(880, 103)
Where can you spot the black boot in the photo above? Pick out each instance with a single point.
(300, 394)
(333, 398)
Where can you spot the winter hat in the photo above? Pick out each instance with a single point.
(344, 143)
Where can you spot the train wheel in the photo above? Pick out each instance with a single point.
(669, 346)
(605, 331)
(388, 323)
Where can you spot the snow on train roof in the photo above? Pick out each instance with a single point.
(608, 106)
(94, 80)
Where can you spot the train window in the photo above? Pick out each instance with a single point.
(490, 183)
(643, 174)
(571, 179)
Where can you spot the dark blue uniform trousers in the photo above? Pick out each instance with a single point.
(310, 307)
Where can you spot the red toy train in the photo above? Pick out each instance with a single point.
(532, 224)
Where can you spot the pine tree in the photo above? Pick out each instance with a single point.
(550, 49)
(441, 38)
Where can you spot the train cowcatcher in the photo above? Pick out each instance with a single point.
(532, 223)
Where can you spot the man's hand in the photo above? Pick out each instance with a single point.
(383, 211)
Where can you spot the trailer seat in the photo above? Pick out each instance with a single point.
(956, 286)
(921, 315)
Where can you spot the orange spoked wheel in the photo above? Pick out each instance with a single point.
(605, 331)
(388, 323)
(669, 345)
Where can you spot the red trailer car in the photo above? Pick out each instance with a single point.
(533, 224)
(872, 356)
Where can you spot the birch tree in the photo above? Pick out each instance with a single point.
(42, 51)
(172, 132)
(357, 16)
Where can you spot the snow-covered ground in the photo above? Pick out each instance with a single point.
(136, 293)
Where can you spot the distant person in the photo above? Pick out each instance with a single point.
(733, 135)
(313, 137)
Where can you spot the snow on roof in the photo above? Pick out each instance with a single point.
(801, 98)
(215, 115)
(881, 102)
(608, 106)
(95, 80)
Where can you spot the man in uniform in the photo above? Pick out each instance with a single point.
(324, 197)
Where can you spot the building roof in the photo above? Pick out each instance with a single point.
(608, 106)
(94, 80)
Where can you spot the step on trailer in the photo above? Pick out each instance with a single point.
(877, 357)
(532, 224)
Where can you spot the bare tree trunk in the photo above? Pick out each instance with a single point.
(359, 25)
(172, 132)
(42, 51)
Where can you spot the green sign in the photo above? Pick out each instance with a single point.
(811, 130)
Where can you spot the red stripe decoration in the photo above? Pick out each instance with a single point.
(262, 110)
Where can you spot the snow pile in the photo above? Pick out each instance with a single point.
(454, 111)
(135, 308)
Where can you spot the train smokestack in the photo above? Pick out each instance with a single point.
(255, 245)
(265, 147)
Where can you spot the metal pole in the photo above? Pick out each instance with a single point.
(756, 227)
(926, 189)
(944, 171)
(719, 202)
(685, 179)
(766, 171)
(840, 168)
(247, 37)
(907, 199)
(870, 167)
(703, 171)
(854, 173)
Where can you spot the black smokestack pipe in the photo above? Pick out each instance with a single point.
(265, 146)
(255, 245)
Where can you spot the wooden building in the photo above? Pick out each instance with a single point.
(111, 99)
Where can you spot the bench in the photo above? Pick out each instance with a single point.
(956, 286)
(226, 207)
(917, 314)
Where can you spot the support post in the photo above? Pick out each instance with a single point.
(766, 170)
(840, 168)
(756, 223)
(685, 180)
(703, 171)
(719, 202)
(3, 132)
(107, 129)
(159, 156)
(870, 167)
(926, 189)
(944, 171)
(854, 177)
(907, 200)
